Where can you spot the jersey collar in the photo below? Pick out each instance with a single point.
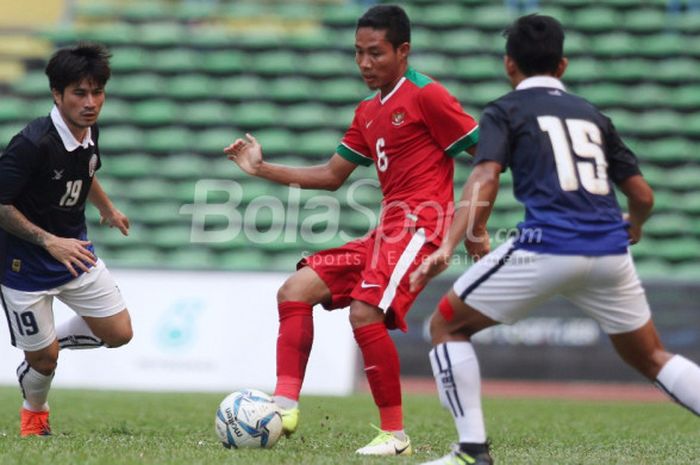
(69, 140)
(541, 81)
(393, 91)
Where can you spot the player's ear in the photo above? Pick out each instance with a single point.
(561, 67)
(403, 50)
(56, 95)
(510, 66)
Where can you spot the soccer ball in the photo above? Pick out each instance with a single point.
(248, 418)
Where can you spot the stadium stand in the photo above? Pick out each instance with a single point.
(191, 76)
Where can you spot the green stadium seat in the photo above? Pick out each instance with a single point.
(604, 94)
(341, 90)
(129, 59)
(689, 203)
(583, 70)
(240, 87)
(170, 237)
(327, 64)
(488, 17)
(160, 34)
(596, 19)
(277, 141)
(8, 131)
(342, 15)
(306, 116)
(32, 84)
(206, 113)
(156, 213)
(141, 85)
(191, 87)
(279, 62)
(154, 112)
(249, 115)
(175, 60)
(292, 89)
(131, 166)
(481, 94)
(182, 166)
(686, 97)
(114, 111)
(654, 269)
(243, 260)
(624, 69)
(169, 139)
(121, 139)
(614, 44)
(661, 45)
(679, 249)
(441, 16)
(668, 150)
(154, 189)
(306, 41)
(114, 34)
(667, 225)
(223, 62)
(210, 36)
(478, 68)
(136, 257)
(213, 141)
(676, 69)
(318, 144)
(462, 41)
(13, 109)
(190, 258)
(645, 20)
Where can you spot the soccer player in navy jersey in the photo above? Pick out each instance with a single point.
(47, 172)
(565, 157)
(410, 130)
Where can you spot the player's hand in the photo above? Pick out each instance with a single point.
(477, 244)
(247, 154)
(73, 253)
(634, 231)
(432, 266)
(116, 219)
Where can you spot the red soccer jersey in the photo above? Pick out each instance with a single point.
(411, 135)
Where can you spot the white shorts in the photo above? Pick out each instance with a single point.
(508, 283)
(30, 314)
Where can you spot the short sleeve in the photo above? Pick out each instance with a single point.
(452, 128)
(622, 162)
(353, 147)
(494, 140)
(17, 164)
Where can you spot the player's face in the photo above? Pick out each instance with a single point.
(80, 104)
(381, 65)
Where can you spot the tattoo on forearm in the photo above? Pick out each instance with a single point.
(15, 223)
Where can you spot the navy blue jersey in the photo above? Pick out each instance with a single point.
(49, 185)
(564, 156)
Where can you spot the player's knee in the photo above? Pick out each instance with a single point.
(439, 331)
(363, 315)
(120, 337)
(292, 291)
(44, 362)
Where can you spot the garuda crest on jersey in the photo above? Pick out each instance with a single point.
(398, 117)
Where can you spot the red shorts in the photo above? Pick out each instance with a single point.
(374, 269)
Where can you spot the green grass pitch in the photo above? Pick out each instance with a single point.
(115, 428)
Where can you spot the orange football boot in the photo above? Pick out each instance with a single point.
(34, 423)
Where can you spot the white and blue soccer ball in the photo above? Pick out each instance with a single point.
(248, 418)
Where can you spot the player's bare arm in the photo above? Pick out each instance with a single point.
(469, 223)
(247, 154)
(70, 252)
(109, 214)
(640, 201)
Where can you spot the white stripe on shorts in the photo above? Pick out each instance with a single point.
(409, 254)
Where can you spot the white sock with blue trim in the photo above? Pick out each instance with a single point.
(456, 372)
(35, 387)
(75, 333)
(680, 379)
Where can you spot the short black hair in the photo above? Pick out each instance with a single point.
(391, 18)
(70, 65)
(536, 44)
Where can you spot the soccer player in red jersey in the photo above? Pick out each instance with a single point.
(410, 130)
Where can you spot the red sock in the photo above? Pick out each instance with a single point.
(383, 370)
(296, 335)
